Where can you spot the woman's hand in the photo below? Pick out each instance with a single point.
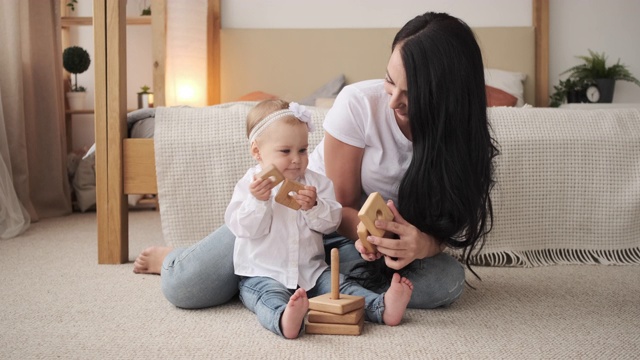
(411, 244)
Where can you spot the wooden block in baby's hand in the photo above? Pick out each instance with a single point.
(284, 195)
(273, 173)
(373, 209)
(362, 235)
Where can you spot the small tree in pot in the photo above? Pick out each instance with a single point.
(76, 60)
(594, 70)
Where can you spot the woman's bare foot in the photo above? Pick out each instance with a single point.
(294, 314)
(396, 300)
(150, 260)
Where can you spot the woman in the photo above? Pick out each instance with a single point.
(421, 138)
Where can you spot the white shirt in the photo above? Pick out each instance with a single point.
(275, 241)
(361, 117)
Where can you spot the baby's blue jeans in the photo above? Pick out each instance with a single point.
(268, 298)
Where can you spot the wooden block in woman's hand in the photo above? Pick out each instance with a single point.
(375, 208)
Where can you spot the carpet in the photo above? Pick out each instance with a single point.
(57, 302)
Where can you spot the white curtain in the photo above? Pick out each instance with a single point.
(14, 218)
(32, 129)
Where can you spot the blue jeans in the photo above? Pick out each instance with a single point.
(202, 275)
(437, 281)
(268, 298)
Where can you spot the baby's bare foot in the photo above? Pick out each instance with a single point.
(150, 260)
(396, 299)
(294, 314)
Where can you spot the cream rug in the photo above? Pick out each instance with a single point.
(58, 303)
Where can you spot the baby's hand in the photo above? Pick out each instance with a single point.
(261, 188)
(368, 256)
(307, 197)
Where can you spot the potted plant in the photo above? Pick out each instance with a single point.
(145, 98)
(71, 4)
(76, 60)
(146, 8)
(571, 90)
(594, 70)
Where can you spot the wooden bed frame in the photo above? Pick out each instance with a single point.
(127, 166)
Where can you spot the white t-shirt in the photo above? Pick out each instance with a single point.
(361, 117)
(275, 241)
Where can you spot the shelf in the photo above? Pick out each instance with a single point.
(81, 111)
(68, 21)
(88, 111)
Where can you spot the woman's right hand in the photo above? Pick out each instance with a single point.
(409, 243)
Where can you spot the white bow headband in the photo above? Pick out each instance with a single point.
(298, 111)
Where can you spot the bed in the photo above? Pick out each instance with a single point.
(81, 166)
(127, 166)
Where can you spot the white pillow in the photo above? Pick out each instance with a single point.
(508, 81)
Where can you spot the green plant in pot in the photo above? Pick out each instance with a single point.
(76, 60)
(71, 4)
(594, 70)
(145, 98)
(571, 90)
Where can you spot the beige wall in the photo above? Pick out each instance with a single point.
(611, 26)
(368, 13)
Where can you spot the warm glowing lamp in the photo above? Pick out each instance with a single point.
(186, 93)
(186, 64)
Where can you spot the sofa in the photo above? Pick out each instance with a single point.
(567, 181)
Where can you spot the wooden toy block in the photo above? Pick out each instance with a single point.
(374, 208)
(283, 196)
(271, 172)
(334, 329)
(342, 305)
(350, 318)
(362, 235)
(334, 302)
(289, 186)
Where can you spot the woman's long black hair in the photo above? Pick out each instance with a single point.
(445, 191)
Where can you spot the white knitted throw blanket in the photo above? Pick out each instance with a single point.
(567, 191)
(568, 187)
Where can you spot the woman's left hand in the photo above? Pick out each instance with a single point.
(412, 243)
